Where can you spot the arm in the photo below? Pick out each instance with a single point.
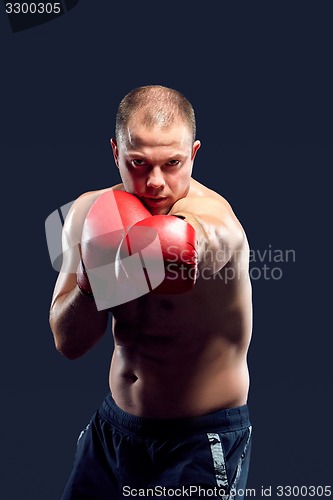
(93, 231)
(219, 233)
(208, 238)
(75, 322)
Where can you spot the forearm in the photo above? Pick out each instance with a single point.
(218, 243)
(219, 233)
(76, 323)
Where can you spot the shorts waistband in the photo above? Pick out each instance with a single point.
(225, 420)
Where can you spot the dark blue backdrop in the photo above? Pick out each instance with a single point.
(259, 77)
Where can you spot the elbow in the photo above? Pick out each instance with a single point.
(62, 345)
(66, 351)
(69, 349)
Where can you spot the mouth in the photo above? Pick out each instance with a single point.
(154, 201)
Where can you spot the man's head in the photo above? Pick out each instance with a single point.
(155, 145)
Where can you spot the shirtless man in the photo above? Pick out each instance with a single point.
(176, 416)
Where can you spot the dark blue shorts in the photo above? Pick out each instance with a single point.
(123, 456)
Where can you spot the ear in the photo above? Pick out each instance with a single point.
(195, 147)
(114, 146)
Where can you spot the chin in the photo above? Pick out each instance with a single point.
(158, 211)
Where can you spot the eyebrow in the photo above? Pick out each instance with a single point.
(134, 154)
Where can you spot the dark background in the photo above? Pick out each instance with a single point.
(259, 77)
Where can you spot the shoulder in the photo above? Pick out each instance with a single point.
(200, 197)
(85, 200)
(204, 202)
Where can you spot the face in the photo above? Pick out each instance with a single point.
(156, 164)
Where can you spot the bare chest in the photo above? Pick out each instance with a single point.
(203, 309)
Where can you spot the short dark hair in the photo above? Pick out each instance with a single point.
(161, 106)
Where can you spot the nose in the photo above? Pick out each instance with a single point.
(155, 178)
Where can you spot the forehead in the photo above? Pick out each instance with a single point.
(137, 134)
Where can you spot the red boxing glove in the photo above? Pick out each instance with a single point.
(177, 249)
(105, 226)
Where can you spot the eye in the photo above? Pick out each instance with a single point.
(173, 163)
(138, 163)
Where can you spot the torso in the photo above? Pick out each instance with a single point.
(185, 355)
